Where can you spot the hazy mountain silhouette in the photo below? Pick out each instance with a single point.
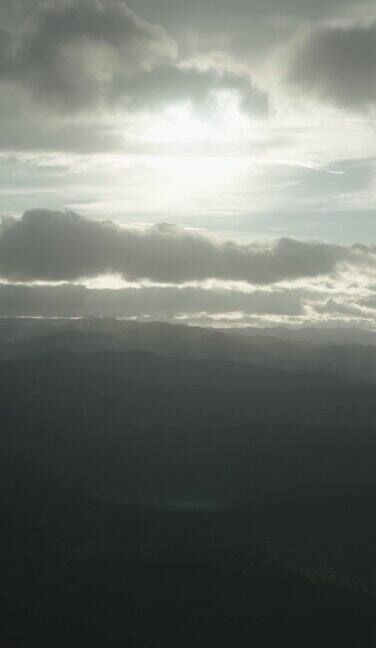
(318, 335)
(23, 339)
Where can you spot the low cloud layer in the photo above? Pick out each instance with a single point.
(193, 304)
(337, 65)
(146, 301)
(59, 246)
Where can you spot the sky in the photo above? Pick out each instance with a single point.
(205, 162)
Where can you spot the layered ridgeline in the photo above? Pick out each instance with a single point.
(349, 353)
(152, 499)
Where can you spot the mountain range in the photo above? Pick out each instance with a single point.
(352, 356)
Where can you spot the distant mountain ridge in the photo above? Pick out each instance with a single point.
(27, 338)
(22, 327)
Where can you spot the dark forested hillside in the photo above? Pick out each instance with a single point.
(248, 492)
(137, 407)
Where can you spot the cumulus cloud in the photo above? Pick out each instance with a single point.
(70, 51)
(337, 65)
(80, 54)
(54, 246)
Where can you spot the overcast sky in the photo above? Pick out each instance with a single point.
(205, 161)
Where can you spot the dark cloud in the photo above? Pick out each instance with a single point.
(337, 65)
(248, 28)
(6, 40)
(52, 245)
(70, 52)
(82, 54)
(368, 302)
(42, 301)
(156, 302)
(166, 84)
(334, 307)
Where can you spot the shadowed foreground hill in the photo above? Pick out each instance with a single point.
(158, 501)
(274, 429)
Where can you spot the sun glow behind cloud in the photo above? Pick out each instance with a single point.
(202, 152)
(221, 122)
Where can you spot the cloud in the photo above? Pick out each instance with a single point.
(198, 304)
(20, 132)
(167, 84)
(333, 307)
(155, 302)
(70, 51)
(337, 65)
(249, 28)
(42, 301)
(83, 54)
(368, 302)
(54, 246)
